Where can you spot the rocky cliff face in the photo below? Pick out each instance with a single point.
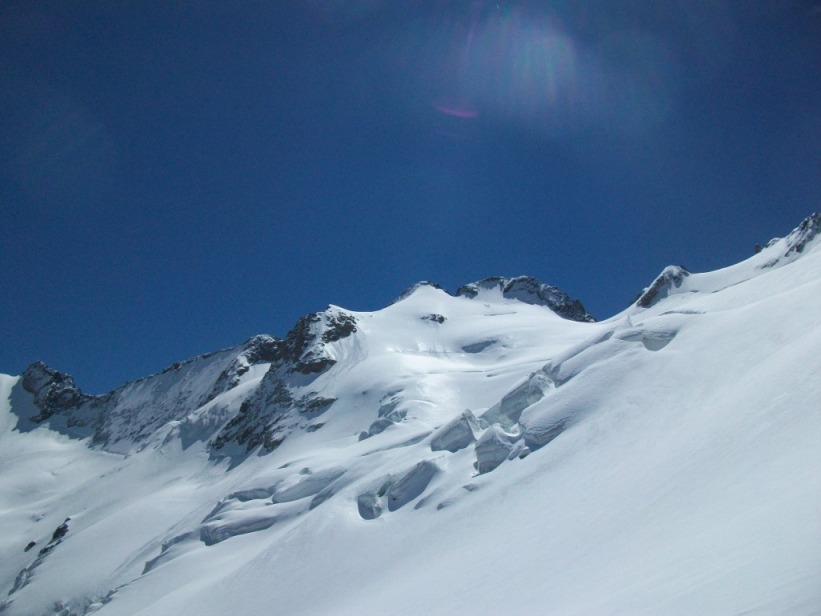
(670, 278)
(132, 413)
(530, 291)
(809, 228)
(53, 391)
(284, 401)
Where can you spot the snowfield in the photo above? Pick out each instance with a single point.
(448, 454)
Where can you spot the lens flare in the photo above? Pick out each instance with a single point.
(457, 112)
(525, 65)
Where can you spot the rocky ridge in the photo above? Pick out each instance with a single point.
(283, 400)
(130, 414)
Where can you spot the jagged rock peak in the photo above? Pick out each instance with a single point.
(530, 291)
(262, 348)
(803, 234)
(39, 375)
(53, 391)
(793, 245)
(671, 277)
(305, 343)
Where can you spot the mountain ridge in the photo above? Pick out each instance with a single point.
(304, 350)
(581, 458)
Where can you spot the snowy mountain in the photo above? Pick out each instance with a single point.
(492, 451)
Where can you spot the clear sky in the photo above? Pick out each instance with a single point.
(178, 176)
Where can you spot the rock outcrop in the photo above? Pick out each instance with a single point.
(530, 291)
(670, 278)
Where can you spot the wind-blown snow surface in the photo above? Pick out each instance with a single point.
(664, 461)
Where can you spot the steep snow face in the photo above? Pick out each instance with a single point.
(421, 457)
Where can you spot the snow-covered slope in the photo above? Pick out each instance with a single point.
(491, 452)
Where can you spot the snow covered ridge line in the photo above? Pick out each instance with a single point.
(131, 413)
(278, 398)
(409, 459)
(136, 410)
(778, 251)
(523, 288)
(795, 243)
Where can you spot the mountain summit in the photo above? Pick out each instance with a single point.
(412, 459)
(530, 291)
(522, 288)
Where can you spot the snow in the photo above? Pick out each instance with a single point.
(664, 461)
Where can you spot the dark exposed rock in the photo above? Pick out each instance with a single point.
(270, 414)
(803, 234)
(301, 335)
(60, 531)
(530, 291)
(259, 349)
(314, 366)
(339, 326)
(133, 412)
(262, 349)
(313, 404)
(120, 419)
(257, 422)
(54, 392)
(523, 288)
(299, 345)
(25, 575)
(273, 411)
(305, 342)
(796, 241)
(433, 317)
(671, 277)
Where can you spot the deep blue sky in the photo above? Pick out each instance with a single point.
(178, 176)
